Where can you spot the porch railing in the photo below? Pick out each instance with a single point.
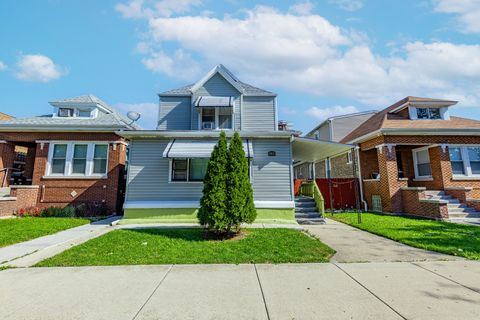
(310, 189)
(5, 172)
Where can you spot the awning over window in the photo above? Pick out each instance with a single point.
(198, 148)
(213, 101)
(311, 150)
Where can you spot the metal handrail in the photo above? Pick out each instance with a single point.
(6, 174)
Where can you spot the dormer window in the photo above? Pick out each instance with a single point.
(429, 113)
(65, 112)
(84, 113)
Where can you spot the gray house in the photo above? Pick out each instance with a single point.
(167, 165)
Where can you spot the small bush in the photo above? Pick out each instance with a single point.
(28, 212)
(91, 209)
(67, 212)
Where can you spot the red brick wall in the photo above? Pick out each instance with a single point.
(413, 205)
(27, 196)
(7, 155)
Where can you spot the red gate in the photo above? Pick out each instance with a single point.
(344, 193)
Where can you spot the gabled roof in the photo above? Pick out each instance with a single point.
(107, 119)
(389, 120)
(349, 115)
(242, 87)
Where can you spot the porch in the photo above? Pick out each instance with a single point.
(407, 177)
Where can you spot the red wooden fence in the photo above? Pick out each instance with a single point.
(344, 195)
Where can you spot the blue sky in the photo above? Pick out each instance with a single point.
(322, 57)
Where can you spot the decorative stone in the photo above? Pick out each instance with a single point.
(73, 194)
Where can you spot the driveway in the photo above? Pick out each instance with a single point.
(355, 245)
(426, 290)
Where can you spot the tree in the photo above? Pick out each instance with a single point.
(240, 207)
(213, 204)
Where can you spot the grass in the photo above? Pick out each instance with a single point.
(22, 229)
(444, 237)
(188, 246)
(187, 215)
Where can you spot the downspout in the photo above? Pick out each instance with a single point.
(357, 155)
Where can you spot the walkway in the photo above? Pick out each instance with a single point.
(426, 290)
(28, 253)
(354, 245)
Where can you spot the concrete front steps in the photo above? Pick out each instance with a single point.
(457, 211)
(5, 195)
(306, 211)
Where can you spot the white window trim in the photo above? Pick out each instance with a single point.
(170, 172)
(216, 122)
(349, 157)
(69, 160)
(444, 115)
(415, 163)
(76, 110)
(466, 160)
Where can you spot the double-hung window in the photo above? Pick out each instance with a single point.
(421, 160)
(216, 118)
(77, 159)
(188, 170)
(465, 160)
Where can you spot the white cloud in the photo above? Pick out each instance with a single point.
(302, 8)
(307, 53)
(349, 5)
(3, 66)
(135, 9)
(146, 109)
(467, 11)
(325, 113)
(37, 68)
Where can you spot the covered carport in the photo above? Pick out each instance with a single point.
(306, 152)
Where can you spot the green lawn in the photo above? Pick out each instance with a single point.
(445, 237)
(189, 215)
(23, 229)
(187, 246)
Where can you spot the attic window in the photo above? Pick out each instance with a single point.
(65, 112)
(84, 113)
(429, 113)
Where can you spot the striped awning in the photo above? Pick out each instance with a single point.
(179, 148)
(214, 101)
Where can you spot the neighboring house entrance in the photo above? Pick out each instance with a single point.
(342, 192)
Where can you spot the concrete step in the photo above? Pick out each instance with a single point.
(454, 215)
(305, 204)
(303, 199)
(456, 205)
(434, 192)
(8, 199)
(306, 209)
(307, 215)
(311, 221)
(474, 221)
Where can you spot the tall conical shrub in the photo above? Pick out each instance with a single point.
(213, 204)
(240, 205)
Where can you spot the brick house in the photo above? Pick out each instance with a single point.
(415, 158)
(70, 156)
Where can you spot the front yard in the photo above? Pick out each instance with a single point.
(444, 237)
(188, 246)
(17, 230)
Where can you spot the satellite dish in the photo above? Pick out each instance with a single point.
(133, 115)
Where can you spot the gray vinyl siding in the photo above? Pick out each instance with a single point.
(148, 175)
(272, 176)
(323, 132)
(217, 86)
(174, 113)
(258, 113)
(343, 126)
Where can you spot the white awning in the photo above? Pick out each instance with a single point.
(177, 148)
(311, 150)
(213, 101)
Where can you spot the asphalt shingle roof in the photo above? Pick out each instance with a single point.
(110, 119)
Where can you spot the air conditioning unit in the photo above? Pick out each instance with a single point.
(209, 125)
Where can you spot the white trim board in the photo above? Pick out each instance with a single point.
(196, 204)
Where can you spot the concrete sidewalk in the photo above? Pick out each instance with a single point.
(427, 290)
(355, 245)
(25, 254)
